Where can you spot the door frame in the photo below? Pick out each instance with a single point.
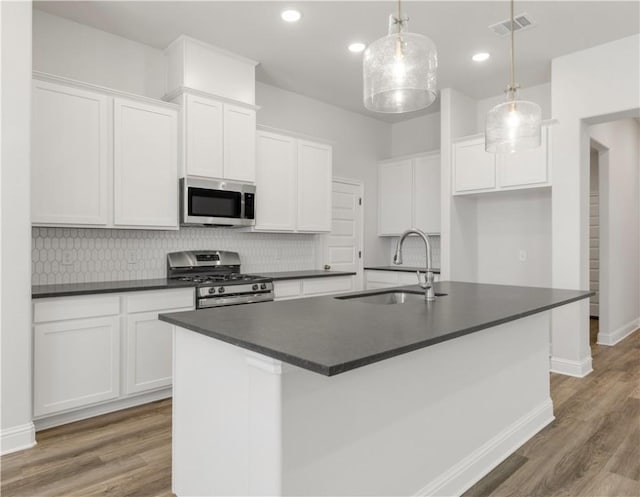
(359, 277)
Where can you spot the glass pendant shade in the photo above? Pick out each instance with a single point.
(513, 125)
(400, 71)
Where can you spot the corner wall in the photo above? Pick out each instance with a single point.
(17, 431)
(582, 93)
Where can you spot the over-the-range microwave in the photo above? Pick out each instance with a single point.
(208, 202)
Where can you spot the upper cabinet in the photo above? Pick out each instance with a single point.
(409, 195)
(69, 155)
(100, 159)
(218, 138)
(477, 171)
(293, 184)
(145, 156)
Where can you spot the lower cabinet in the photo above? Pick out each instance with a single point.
(97, 349)
(312, 287)
(388, 279)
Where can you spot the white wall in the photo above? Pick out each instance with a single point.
(582, 93)
(540, 94)
(420, 134)
(76, 51)
(80, 52)
(15, 27)
(508, 223)
(620, 225)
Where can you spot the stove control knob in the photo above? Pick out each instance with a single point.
(221, 289)
(255, 287)
(212, 290)
(263, 286)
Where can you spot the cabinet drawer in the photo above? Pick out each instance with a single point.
(405, 278)
(333, 284)
(62, 308)
(160, 299)
(287, 289)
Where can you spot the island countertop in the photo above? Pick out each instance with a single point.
(329, 335)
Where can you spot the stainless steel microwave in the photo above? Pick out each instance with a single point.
(208, 202)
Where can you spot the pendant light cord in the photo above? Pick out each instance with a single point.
(512, 85)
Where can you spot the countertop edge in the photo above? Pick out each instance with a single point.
(401, 269)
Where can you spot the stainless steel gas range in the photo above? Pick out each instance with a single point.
(216, 274)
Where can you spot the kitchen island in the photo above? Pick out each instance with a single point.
(350, 395)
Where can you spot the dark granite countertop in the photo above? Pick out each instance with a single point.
(298, 275)
(74, 289)
(330, 336)
(406, 269)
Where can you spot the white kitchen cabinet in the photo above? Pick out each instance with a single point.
(102, 158)
(526, 168)
(70, 155)
(202, 140)
(239, 143)
(312, 287)
(395, 185)
(376, 279)
(219, 138)
(76, 363)
(97, 353)
(477, 171)
(149, 341)
(314, 186)
(409, 195)
(276, 179)
(474, 169)
(145, 165)
(293, 184)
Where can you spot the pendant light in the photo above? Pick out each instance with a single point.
(399, 70)
(515, 124)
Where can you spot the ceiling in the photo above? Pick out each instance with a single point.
(311, 56)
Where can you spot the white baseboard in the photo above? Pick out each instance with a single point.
(480, 462)
(96, 410)
(567, 367)
(620, 334)
(17, 438)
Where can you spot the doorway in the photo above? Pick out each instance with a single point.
(594, 242)
(342, 247)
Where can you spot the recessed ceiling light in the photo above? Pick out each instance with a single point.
(291, 15)
(357, 47)
(481, 57)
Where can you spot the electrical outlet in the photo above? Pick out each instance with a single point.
(131, 257)
(67, 258)
(522, 255)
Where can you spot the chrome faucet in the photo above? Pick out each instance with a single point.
(427, 283)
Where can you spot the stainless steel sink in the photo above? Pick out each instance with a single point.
(389, 297)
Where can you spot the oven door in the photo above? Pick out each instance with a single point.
(216, 203)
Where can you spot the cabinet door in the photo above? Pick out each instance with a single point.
(276, 182)
(474, 169)
(524, 168)
(145, 165)
(149, 348)
(76, 363)
(239, 143)
(314, 186)
(70, 156)
(203, 137)
(395, 202)
(426, 193)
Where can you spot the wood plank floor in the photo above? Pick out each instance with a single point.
(591, 449)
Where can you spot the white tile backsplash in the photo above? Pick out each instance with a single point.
(414, 252)
(76, 255)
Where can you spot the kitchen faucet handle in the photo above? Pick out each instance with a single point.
(424, 284)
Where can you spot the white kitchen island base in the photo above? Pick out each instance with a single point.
(428, 422)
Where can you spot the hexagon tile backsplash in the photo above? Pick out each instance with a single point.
(76, 255)
(414, 253)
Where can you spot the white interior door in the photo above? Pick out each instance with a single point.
(342, 247)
